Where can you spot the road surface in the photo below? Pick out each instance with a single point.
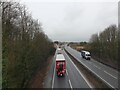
(105, 73)
(72, 79)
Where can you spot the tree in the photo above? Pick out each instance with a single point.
(25, 46)
(105, 45)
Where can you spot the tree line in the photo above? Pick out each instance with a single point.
(25, 47)
(104, 46)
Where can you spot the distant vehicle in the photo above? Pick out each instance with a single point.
(58, 48)
(86, 55)
(60, 65)
(59, 51)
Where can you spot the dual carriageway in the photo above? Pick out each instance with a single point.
(74, 78)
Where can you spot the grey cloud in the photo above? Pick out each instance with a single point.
(74, 21)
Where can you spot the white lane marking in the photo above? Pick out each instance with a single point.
(66, 72)
(97, 66)
(70, 84)
(69, 80)
(53, 78)
(110, 74)
(104, 66)
(80, 73)
(94, 72)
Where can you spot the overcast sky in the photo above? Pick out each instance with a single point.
(73, 21)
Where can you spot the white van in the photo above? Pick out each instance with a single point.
(86, 55)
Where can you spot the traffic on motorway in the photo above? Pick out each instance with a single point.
(105, 73)
(65, 73)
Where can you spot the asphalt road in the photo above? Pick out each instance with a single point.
(72, 79)
(105, 73)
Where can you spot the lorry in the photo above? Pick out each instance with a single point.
(60, 65)
(86, 55)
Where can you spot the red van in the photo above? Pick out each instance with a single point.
(60, 65)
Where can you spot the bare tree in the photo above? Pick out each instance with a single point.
(25, 46)
(105, 46)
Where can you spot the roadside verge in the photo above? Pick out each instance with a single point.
(38, 79)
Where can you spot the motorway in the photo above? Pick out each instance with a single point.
(72, 79)
(105, 73)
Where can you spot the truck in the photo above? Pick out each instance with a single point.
(86, 55)
(60, 65)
